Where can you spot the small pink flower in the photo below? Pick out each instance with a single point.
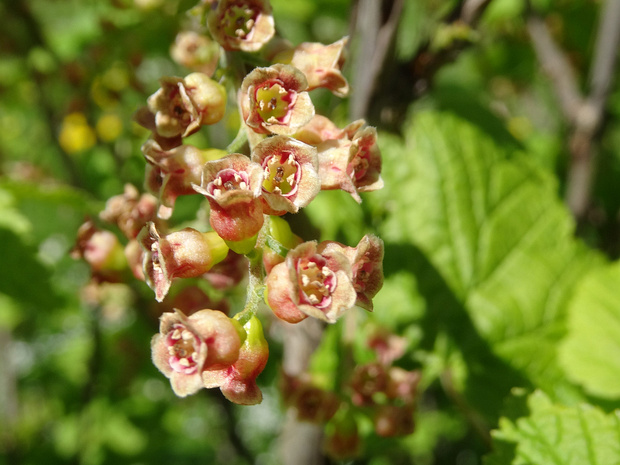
(394, 420)
(311, 403)
(196, 52)
(290, 168)
(191, 299)
(187, 346)
(244, 25)
(181, 106)
(229, 272)
(367, 381)
(321, 129)
(232, 185)
(342, 438)
(182, 254)
(238, 381)
(366, 267)
(351, 163)
(130, 211)
(101, 250)
(310, 283)
(172, 173)
(402, 385)
(320, 63)
(273, 101)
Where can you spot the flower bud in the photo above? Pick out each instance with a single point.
(101, 250)
(238, 382)
(273, 101)
(241, 24)
(196, 52)
(186, 346)
(182, 254)
(181, 106)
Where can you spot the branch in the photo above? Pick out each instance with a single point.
(556, 66)
(375, 41)
(300, 442)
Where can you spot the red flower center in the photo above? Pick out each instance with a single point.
(228, 180)
(316, 281)
(183, 348)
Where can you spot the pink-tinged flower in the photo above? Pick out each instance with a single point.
(130, 211)
(351, 163)
(229, 272)
(387, 346)
(192, 299)
(232, 185)
(321, 129)
(311, 403)
(342, 438)
(320, 63)
(367, 381)
(181, 106)
(291, 178)
(186, 346)
(172, 173)
(394, 420)
(310, 283)
(134, 253)
(244, 25)
(196, 52)
(101, 250)
(366, 267)
(402, 385)
(182, 254)
(273, 100)
(238, 381)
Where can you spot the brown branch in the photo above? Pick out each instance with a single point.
(584, 114)
(300, 443)
(375, 40)
(557, 67)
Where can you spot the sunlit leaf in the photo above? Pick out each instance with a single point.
(591, 352)
(559, 435)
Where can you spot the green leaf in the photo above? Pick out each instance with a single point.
(558, 435)
(492, 249)
(590, 353)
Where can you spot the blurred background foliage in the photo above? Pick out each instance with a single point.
(481, 255)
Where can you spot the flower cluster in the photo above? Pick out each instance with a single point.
(284, 155)
(378, 390)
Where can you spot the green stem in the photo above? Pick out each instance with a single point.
(276, 246)
(256, 277)
(239, 141)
